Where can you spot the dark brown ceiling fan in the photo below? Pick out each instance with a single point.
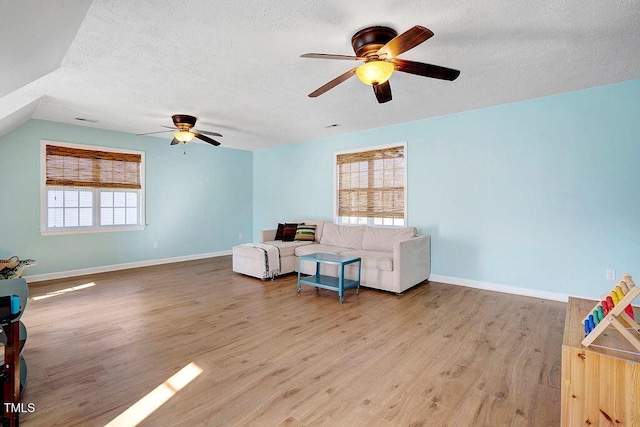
(184, 132)
(379, 47)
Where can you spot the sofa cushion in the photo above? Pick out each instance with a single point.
(375, 260)
(383, 238)
(319, 226)
(305, 233)
(247, 252)
(346, 236)
(319, 247)
(287, 248)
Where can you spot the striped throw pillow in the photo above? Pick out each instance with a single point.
(305, 233)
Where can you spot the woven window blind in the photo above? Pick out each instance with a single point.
(66, 166)
(371, 183)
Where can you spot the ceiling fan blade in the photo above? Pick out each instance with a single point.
(151, 133)
(174, 142)
(206, 139)
(169, 127)
(383, 92)
(333, 83)
(331, 56)
(405, 41)
(426, 70)
(207, 132)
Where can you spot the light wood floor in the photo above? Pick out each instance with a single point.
(439, 355)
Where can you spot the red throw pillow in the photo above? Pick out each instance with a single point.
(289, 232)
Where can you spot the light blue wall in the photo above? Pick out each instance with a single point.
(196, 203)
(541, 194)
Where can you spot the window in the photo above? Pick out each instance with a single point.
(371, 186)
(91, 189)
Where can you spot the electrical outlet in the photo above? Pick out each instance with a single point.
(155, 245)
(240, 236)
(611, 275)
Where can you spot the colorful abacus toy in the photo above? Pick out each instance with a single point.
(614, 306)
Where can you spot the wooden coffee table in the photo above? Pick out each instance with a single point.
(339, 284)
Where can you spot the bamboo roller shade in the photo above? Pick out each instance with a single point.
(371, 183)
(67, 166)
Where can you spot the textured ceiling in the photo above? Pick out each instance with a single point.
(237, 66)
(34, 38)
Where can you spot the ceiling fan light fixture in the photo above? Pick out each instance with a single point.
(184, 136)
(374, 72)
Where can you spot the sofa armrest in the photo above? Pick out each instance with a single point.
(411, 262)
(268, 235)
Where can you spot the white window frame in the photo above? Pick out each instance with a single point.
(96, 228)
(365, 220)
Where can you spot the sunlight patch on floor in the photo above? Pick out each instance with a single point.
(63, 291)
(156, 398)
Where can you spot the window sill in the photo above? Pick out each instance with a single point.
(90, 230)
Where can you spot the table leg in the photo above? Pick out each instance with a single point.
(298, 288)
(318, 276)
(359, 269)
(341, 283)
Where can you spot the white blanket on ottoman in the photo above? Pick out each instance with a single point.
(271, 258)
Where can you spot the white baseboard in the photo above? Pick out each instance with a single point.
(115, 267)
(554, 296)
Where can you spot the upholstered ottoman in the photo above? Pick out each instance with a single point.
(253, 261)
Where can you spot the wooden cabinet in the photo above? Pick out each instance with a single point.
(600, 386)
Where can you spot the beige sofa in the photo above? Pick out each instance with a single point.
(393, 259)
